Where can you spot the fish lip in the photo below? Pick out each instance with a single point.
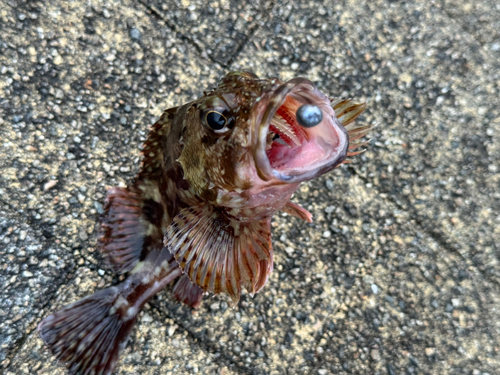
(263, 112)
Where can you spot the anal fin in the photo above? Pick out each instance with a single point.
(218, 253)
(187, 292)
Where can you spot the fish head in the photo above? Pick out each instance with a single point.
(243, 146)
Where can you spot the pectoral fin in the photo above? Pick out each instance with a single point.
(218, 253)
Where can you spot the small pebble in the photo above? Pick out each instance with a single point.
(98, 207)
(375, 354)
(49, 185)
(83, 234)
(215, 306)
(171, 330)
(135, 34)
(146, 318)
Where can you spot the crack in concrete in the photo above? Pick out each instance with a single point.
(241, 46)
(437, 236)
(159, 15)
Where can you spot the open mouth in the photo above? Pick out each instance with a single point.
(288, 151)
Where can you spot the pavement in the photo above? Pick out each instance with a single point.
(398, 274)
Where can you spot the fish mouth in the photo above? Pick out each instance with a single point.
(286, 152)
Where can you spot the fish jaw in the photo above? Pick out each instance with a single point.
(300, 153)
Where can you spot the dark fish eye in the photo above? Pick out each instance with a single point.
(216, 120)
(215, 115)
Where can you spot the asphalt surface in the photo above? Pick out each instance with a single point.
(398, 274)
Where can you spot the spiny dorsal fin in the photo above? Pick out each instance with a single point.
(347, 111)
(153, 149)
(219, 254)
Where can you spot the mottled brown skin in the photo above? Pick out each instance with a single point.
(199, 210)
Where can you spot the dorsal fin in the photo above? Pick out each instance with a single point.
(347, 111)
(154, 147)
(132, 225)
(220, 254)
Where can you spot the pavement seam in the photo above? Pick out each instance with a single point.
(161, 16)
(17, 345)
(252, 31)
(437, 236)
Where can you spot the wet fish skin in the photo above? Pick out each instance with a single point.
(198, 213)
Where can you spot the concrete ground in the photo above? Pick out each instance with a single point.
(399, 274)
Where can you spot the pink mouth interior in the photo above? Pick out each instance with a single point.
(287, 151)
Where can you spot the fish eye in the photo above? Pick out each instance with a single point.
(216, 120)
(215, 115)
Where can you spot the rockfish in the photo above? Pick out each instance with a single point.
(214, 172)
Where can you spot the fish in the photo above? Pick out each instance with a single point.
(198, 213)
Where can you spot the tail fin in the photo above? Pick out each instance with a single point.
(89, 335)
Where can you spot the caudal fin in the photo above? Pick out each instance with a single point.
(89, 335)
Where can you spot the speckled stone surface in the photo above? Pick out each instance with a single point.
(399, 273)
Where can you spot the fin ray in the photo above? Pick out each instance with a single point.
(87, 335)
(131, 226)
(187, 292)
(218, 253)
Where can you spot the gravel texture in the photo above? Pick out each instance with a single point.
(398, 274)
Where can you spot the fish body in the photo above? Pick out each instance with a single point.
(198, 213)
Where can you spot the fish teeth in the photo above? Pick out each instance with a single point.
(283, 126)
